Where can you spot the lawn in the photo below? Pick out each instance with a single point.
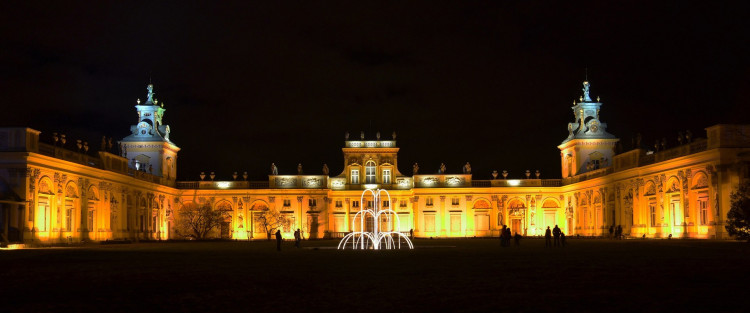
(445, 275)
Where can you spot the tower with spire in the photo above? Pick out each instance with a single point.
(589, 146)
(148, 147)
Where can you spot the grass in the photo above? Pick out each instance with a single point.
(445, 275)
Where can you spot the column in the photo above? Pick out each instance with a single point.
(443, 218)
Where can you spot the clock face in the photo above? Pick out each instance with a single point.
(143, 128)
(594, 126)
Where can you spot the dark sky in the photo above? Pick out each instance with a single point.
(250, 83)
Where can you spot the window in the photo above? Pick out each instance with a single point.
(386, 176)
(703, 207)
(312, 202)
(90, 221)
(370, 172)
(674, 210)
(68, 217)
(355, 204)
(339, 204)
(355, 177)
(402, 203)
(369, 204)
(287, 202)
(454, 201)
(386, 204)
(455, 222)
(652, 209)
(429, 223)
(428, 202)
(44, 211)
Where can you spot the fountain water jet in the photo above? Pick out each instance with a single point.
(377, 238)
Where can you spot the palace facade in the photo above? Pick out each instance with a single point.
(50, 193)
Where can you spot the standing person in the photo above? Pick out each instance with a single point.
(297, 238)
(547, 238)
(278, 240)
(502, 236)
(411, 233)
(556, 233)
(562, 239)
(611, 232)
(619, 232)
(517, 239)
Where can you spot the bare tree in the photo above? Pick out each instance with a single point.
(197, 220)
(271, 220)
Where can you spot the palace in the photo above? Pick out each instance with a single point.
(52, 193)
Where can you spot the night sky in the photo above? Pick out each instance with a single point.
(246, 84)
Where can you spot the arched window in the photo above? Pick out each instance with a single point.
(370, 172)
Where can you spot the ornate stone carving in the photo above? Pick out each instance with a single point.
(312, 182)
(70, 191)
(454, 180)
(701, 183)
(286, 181)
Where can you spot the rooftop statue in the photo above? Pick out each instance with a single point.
(274, 169)
(467, 168)
(151, 93)
(586, 96)
(325, 169)
(415, 169)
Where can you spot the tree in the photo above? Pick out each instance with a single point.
(271, 220)
(197, 220)
(738, 218)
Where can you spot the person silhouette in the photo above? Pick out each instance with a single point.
(556, 233)
(547, 238)
(562, 239)
(517, 239)
(297, 238)
(278, 240)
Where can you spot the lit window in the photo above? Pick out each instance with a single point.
(652, 209)
(370, 172)
(703, 207)
(386, 204)
(386, 176)
(355, 177)
(355, 204)
(428, 202)
(402, 203)
(68, 218)
(454, 201)
(369, 204)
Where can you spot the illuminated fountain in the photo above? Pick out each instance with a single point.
(384, 233)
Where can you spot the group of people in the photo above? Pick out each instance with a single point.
(615, 232)
(557, 233)
(297, 239)
(505, 237)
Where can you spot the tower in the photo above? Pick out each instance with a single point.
(589, 146)
(148, 147)
(370, 163)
